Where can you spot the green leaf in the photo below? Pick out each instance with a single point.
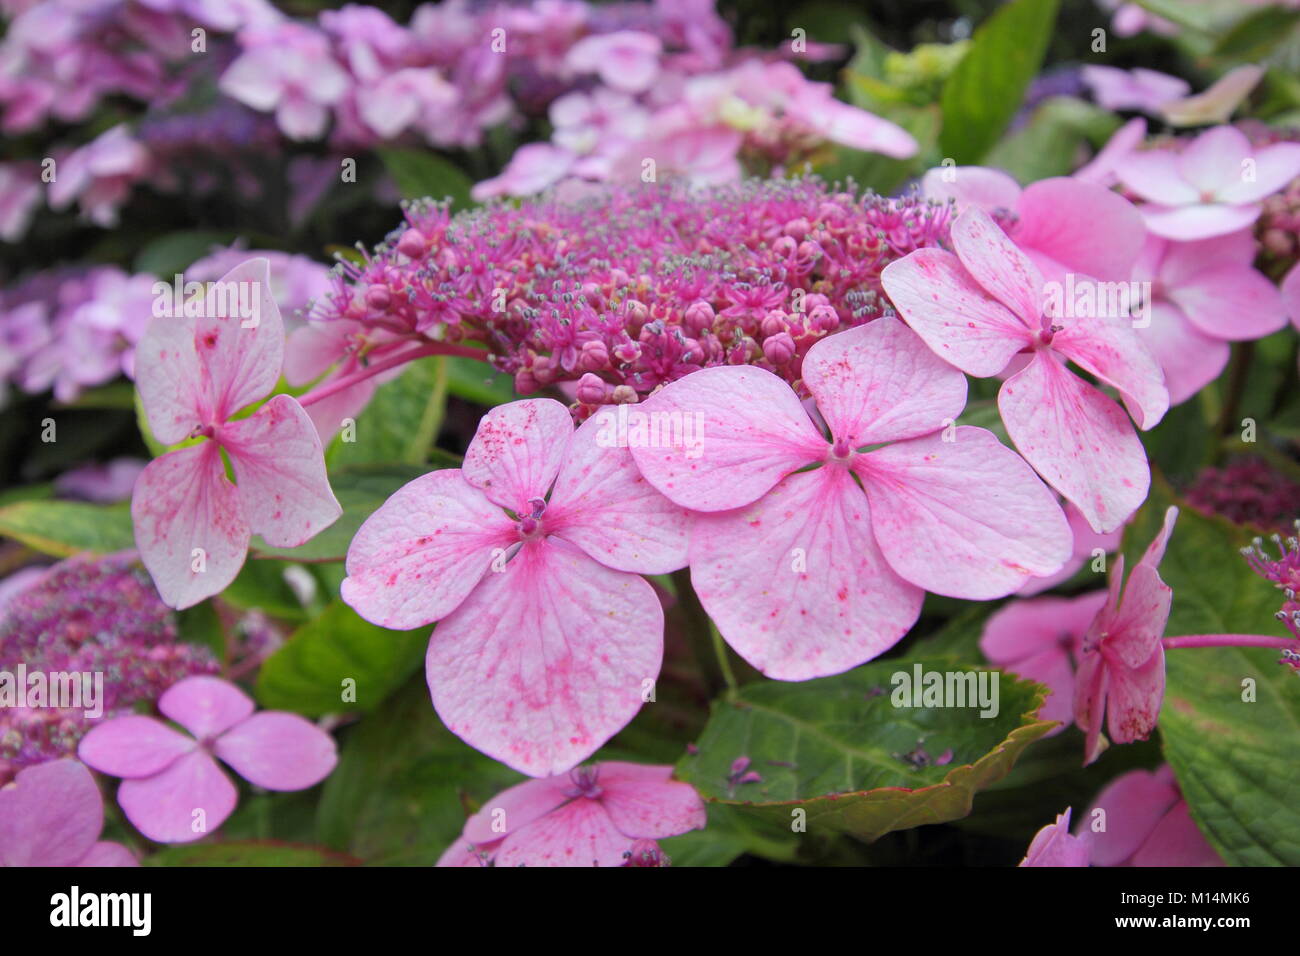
(479, 382)
(1237, 762)
(260, 585)
(839, 749)
(401, 422)
(989, 84)
(1256, 35)
(248, 853)
(308, 674)
(169, 255)
(360, 489)
(420, 174)
(64, 528)
(404, 785)
(1049, 144)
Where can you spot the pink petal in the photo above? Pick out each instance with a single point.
(998, 264)
(1291, 295)
(464, 853)
(1155, 551)
(165, 807)
(1055, 671)
(879, 382)
(796, 583)
(966, 518)
(1275, 166)
(107, 853)
(1083, 227)
(205, 706)
(517, 807)
(1228, 301)
(1212, 162)
(1133, 698)
(644, 801)
(987, 189)
(132, 746)
(1189, 358)
(168, 378)
(1077, 439)
(1199, 221)
(280, 471)
(301, 118)
(1155, 176)
(580, 834)
(240, 357)
(278, 751)
(1134, 803)
(943, 304)
(182, 502)
(1177, 841)
(754, 432)
(546, 660)
(850, 126)
(422, 552)
(1101, 170)
(604, 505)
(1111, 349)
(517, 450)
(1022, 629)
(1054, 846)
(1138, 626)
(50, 815)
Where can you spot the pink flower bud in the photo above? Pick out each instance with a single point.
(378, 297)
(591, 390)
(412, 244)
(698, 318)
(773, 323)
(646, 853)
(595, 356)
(624, 395)
(779, 349)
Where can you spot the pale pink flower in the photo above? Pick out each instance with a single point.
(1086, 543)
(533, 168)
(1101, 168)
(1204, 294)
(20, 194)
(1212, 187)
(1054, 846)
(168, 777)
(1039, 639)
(51, 814)
(192, 526)
(1291, 295)
(529, 558)
(601, 815)
(1121, 675)
(100, 174)
(337, 347)
(804, 573)
(290, 70)
(980, 307)
(626, 60)
(1139, 89)
(1147, 823)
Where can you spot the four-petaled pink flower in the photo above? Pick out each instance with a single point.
(1054, 846)
(1147, 823)
(982, 306)
(1039, 639)
(1214, 186)
(1121, 674)
(529, 558)
(600, 815)
(51, 815)
(173, 790)
(1204, 294)
(808, 573)
(192, 526)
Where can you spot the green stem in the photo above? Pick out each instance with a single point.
(1243, 354)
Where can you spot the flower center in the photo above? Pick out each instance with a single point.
(530, 525)
(585, 782)
(840, 452)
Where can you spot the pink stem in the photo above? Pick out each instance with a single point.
(326, 389)
(1230, 640)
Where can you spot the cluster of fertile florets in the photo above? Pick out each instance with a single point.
(89, 615)
(627, 289)
(1284, 572)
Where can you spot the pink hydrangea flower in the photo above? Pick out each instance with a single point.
(529, 558)
(982, 306)
(51, 815)
(1147, 823)
(1212, 187)
(626, 60)
(1139, 89)
(169, 777)
(1062, 224)
(1054, 846)
(100, 175)
(1204, 294)
(1039, 639)
(804, 574)
(1291, 295)
(20, 194)
(599, 815)
(1100, 170)
(290, 70)
(192, 526)
(1121, 676)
